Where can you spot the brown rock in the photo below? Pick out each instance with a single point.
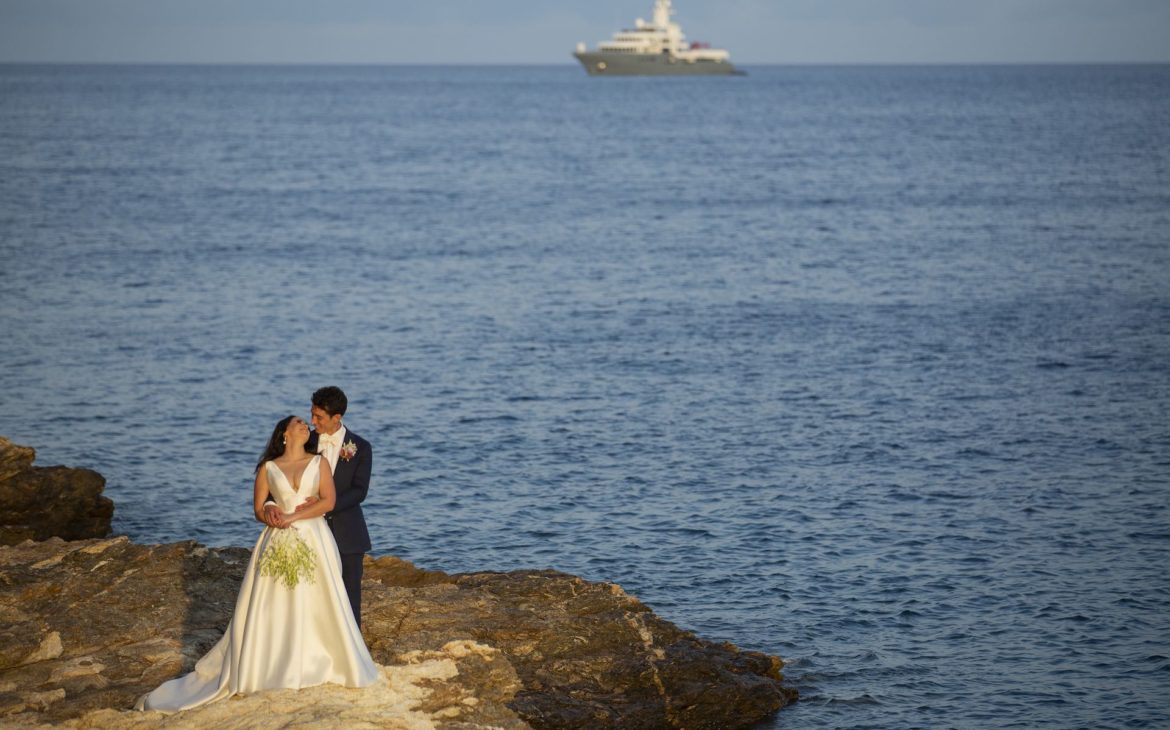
(88, 626)
(14, 459)
(588, 654)
(91, 625)
(105, 620)
(426, 690)
(38, 503)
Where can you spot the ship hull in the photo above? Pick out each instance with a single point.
(645, 64)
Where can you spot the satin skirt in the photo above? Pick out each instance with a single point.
(279, 638)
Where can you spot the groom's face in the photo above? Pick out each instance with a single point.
(325, 423)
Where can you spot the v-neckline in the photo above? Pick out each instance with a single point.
(295, 487)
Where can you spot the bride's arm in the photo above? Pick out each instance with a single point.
(327, 497)
(260, 496)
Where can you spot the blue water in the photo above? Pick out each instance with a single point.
(868, 367)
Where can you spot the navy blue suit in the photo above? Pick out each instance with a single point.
(351, 481)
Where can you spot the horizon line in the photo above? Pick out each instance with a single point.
(569, 64)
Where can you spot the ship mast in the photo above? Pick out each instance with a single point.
(662, 13)
(674, 36)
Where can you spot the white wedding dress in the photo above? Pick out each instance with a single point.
(280, 637)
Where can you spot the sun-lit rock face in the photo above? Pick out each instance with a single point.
(88, 626)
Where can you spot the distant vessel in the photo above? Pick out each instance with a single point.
(658, 48)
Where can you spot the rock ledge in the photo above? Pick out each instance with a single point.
(87, 626)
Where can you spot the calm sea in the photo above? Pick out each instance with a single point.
(868, 367)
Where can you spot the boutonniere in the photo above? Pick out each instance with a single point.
(348, 450)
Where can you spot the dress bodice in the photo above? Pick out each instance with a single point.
(281, 490)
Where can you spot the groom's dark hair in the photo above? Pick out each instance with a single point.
(331, 400)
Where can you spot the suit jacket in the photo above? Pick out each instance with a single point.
(351, 480)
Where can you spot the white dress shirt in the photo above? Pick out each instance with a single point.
(332, 450)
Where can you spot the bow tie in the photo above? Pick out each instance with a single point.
(324, 441)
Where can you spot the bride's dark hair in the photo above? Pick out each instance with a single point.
(275, 447)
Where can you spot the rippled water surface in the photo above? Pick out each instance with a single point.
(865, 367)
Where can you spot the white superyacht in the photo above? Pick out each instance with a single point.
(657, 48)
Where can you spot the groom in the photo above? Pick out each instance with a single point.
(350, 459)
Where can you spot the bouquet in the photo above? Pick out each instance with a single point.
(288, 558)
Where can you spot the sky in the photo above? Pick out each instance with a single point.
(546, 31)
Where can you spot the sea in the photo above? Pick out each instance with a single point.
(867, 367)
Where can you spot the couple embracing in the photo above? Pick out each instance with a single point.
(297, 620)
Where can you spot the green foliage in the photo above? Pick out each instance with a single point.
(288, 558)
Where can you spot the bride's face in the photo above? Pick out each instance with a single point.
(297, 432)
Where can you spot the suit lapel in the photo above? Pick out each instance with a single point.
(343, 474)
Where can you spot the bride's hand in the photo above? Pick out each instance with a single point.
(273, 517)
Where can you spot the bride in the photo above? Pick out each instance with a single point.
(293, 626)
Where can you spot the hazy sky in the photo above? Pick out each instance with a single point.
(545, 31)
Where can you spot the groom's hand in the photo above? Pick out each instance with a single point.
(309, 502)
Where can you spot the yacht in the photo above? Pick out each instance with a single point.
(657, 48)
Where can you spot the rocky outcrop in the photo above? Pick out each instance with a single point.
(588, 654)
(37, 503)
(91, 625)
(88, 626)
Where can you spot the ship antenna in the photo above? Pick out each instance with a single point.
(662, 13)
